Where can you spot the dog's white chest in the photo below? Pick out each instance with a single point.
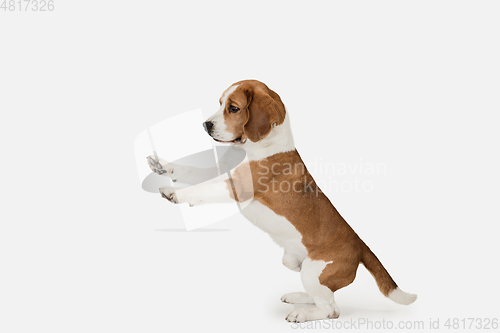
(278, 227)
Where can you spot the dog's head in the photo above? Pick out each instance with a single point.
(248, 110)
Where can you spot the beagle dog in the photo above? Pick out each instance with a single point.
(283, 200)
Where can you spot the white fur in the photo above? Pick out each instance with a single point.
(297, 298)
(211, 191)
(325, 308)
(219, 129)
(279, 140)
(280, 230)
(182, 173)
(400, 297)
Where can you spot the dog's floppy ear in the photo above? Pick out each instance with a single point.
(262, 113)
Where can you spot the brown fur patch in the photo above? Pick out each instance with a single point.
(282, 183)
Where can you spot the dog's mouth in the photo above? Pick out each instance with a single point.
(237, 140)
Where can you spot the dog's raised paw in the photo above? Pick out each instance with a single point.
(169, 194)
(160, 167)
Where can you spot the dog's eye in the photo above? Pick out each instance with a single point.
(233, 109)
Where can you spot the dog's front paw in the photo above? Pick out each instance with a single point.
(169, 194)
(160, 167)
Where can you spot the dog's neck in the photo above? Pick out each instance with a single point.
(279, 140)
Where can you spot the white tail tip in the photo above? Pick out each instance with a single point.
(400, 297)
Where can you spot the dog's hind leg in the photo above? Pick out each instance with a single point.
(321, 279)
(297, 298)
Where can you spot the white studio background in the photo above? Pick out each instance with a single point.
(412, 85)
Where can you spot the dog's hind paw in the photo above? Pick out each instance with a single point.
(300, 315)
(297, 298)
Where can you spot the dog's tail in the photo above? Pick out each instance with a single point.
(384, 281)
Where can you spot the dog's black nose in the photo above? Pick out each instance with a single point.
(207, 125)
